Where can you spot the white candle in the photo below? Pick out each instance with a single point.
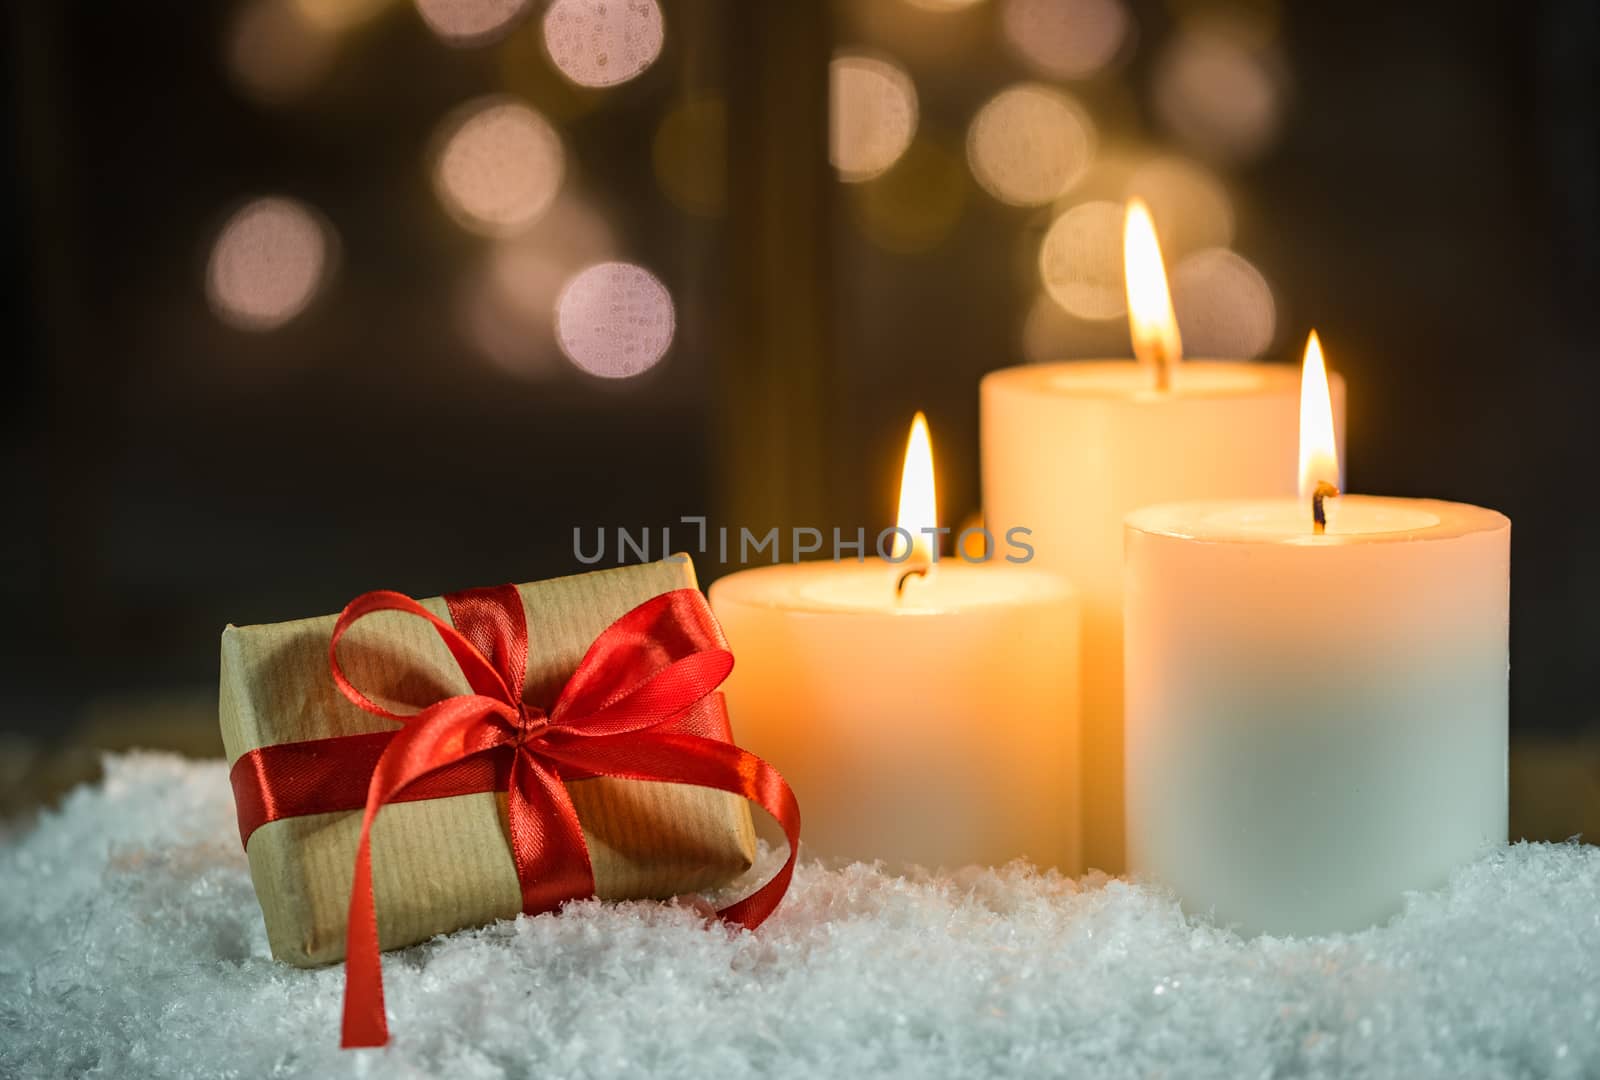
(1069, 449)
(1315, 723)
(936, 726)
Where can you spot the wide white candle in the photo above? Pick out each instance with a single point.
(1069, 449)
(925, 717)
(938, 728)
(1316, 723)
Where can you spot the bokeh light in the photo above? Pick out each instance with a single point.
(603, 42)
(269, 261)
(498, 166)
(274, 53)
(1066, 39)
(1218, 92)
(469, 22)
(1189, 204)
(943, 5)
(913, 206)
(525, 72)
(1224, 305)
(525, 273)
(872, 115)
(337, 16)
(690, 154)
(1080, 260)
(614, 320)
(1029, 144)
(506, 307)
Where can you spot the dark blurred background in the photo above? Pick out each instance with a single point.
(310, 297)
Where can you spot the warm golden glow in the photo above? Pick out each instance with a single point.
(340, 15)
(1155, 328)
(1319, 455)
(918, 506)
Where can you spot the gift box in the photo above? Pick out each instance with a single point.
(440, 860)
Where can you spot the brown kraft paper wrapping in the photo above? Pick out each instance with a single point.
(444, 864)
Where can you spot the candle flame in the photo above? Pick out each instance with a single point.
(1156, 341)
(1319, 455)
(918, 506)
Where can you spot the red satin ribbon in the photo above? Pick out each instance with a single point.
(640, 706)
(326, 776)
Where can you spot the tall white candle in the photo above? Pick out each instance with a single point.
(1070, 448)
(935, 725)
(1315, 723)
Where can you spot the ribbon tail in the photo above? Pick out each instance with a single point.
(434, 739)
(691, 759)
(547, 841)
(364, 1022)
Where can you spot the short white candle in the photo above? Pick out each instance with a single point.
(1315, 723)
(935, 726)
(1069, 449)
(937, 730)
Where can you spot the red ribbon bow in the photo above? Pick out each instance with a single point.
(630, 710)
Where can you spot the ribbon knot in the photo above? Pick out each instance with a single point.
(531, 723)
(629, 711)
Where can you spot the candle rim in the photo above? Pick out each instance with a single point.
(1185, 520)
(739, 587)
(1127, 380)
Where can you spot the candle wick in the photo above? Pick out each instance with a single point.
(1319, 513)
(1163, 370)
(900, 582)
